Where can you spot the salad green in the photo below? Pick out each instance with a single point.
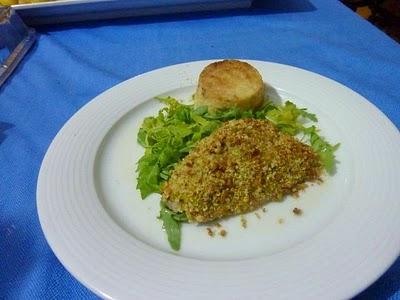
(169, 136)
(172, 225)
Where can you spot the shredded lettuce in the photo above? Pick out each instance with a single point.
(169, 136)
(292, 120)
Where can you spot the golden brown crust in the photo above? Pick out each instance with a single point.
(230, 83)
(238, 168)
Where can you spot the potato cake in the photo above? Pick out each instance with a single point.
(230, 83)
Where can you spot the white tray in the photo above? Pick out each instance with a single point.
(79, 10)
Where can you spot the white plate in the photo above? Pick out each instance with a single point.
(110, 240)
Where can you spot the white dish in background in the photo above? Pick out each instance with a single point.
(111, 240)
(61, 11)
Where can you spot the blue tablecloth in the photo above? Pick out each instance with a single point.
(71, 64)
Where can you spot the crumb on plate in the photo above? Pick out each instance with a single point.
(243, 222)
(210, 232)
(223, 232)
(297, 211)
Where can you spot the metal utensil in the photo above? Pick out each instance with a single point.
(15, 40)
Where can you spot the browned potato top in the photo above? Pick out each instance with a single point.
(230, 83)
